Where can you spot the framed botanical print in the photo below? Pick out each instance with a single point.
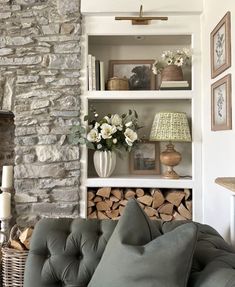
(145, 158)
(221, 108)
(221, 46)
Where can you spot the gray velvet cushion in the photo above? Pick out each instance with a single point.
(134, 257)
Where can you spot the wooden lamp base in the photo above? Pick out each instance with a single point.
(170, 157)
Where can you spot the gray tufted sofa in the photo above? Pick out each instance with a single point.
(65, 252)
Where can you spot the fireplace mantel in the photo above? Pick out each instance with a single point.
(6, 114)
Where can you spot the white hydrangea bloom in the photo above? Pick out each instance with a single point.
(116, 120)
(130, 136)
(107, 131)
(93, 136)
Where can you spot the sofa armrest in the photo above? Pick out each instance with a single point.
(214, 275)
(214, 261)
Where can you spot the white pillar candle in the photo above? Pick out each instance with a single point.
(7, 176)
(5, 205)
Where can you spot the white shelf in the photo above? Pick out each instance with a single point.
(137, 181)
(109, 40)
(140, 95)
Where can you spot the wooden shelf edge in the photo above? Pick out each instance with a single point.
(227, 182)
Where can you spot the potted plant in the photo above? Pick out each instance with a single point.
(170, 65)
(107, 136)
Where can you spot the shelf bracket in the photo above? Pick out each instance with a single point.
(141, 20)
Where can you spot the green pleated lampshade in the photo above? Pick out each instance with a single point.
(170, 126)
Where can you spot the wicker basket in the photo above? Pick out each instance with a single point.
(118, 84)
(13, 265)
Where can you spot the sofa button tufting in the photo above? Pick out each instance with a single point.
(79, 257)
(85, 250)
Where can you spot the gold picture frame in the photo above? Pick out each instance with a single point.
(221, 108)
(138, 72)
(221, 46)
(145, 158)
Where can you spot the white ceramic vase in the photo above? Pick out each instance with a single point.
(104, 162)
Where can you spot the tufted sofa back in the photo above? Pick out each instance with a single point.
(65, 252)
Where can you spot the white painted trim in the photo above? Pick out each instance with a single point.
(143, 181)
(149, 6)
(140, 95)
(176, 25)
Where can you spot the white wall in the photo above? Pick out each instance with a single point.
(218, 147)
(149, 6)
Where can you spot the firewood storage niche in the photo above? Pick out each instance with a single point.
(159, 204)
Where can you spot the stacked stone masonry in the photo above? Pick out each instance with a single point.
(39, 83)
(7, 130)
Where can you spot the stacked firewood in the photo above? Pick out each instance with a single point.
(20, 240)
(167, 205)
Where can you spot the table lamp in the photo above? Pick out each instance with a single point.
(172, 127)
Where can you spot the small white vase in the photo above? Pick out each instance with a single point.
(104, 162)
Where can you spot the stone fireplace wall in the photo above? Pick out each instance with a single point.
(7, 130)
(39, 83)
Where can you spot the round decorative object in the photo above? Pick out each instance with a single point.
(116, 83)
(172, 73)
(104, 162)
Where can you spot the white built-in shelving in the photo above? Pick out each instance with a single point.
(108, 39)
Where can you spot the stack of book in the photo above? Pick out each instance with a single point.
(174, 85)
(95, 70)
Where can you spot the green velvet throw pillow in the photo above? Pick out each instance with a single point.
(136, 256)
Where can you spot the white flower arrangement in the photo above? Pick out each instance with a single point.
(111, 132)
(178, 57)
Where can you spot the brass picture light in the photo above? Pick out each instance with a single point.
(141, 20)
